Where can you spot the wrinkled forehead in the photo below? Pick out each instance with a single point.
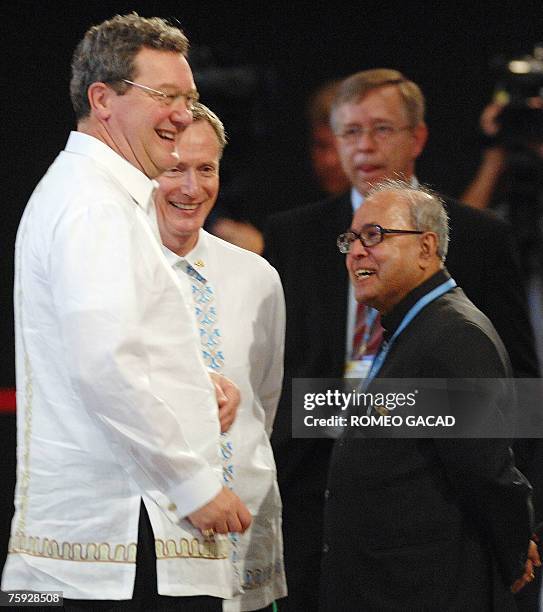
(388, 209)
(378, 103)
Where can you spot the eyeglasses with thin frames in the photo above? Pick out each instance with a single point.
(380, 132)
(167, 99)
(370, 235)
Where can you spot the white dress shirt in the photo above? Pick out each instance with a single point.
(114, 402)
(249, 301)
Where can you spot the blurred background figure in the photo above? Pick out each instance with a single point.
(240, 233)
(509, 179)
(330, 179)
(325, 162)
(234, 86)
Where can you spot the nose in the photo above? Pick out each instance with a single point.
(357, 250)
(189, 186)
(181, 115)
(365, 141)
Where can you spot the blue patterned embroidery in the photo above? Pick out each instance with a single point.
(210, 339)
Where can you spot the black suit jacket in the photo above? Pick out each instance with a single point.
(429, 524)
(301, 244)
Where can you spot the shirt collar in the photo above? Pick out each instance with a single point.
(356, 199)
(392, 320)
(198, 257)
(139, 186)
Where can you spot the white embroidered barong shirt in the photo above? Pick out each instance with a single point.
(113, 399)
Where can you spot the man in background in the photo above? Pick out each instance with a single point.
(325, 166)
(324, 157)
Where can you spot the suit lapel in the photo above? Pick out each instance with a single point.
(336, 218)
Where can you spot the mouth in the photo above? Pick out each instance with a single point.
(182, 206)
(363, 273)
(166, 135)
(368, 168)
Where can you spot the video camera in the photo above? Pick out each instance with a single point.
(519, 87)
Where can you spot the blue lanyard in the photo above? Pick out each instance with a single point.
(411, 314)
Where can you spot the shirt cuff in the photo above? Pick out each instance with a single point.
(191, 494)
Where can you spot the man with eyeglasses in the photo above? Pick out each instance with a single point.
(423, 523)
(118, 426)
(378, 118)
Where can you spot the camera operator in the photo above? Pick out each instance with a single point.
(509, 179)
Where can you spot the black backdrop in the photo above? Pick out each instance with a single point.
(289, 49)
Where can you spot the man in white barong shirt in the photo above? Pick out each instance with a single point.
(247, 298)
(115, 404)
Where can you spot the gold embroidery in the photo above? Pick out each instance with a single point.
(24, 477)
(72, 551)
(193, 549)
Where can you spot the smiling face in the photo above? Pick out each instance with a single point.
(382, 275)
(188, 192)
(370, 160)
(141, 127)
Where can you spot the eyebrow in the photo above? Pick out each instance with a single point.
(176, 88)
(371, 121)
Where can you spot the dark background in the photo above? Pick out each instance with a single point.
(270, 56)
(287, 49)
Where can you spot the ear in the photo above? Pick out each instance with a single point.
(420, 135)
(100, 98)
(428, 249)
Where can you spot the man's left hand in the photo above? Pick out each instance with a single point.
(228, 398)
(532, 562)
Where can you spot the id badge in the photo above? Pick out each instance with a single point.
(359, 368)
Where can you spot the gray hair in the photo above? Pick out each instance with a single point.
(200, 112)
(426, 209)
(107, 51)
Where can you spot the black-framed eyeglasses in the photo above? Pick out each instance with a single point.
(370, 235)
(166, 99)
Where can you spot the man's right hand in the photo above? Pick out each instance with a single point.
(225, 513)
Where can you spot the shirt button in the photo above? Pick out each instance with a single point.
(172, 507)
(325, 548)
(326, 493)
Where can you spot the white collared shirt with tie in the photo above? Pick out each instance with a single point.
(250, 314)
